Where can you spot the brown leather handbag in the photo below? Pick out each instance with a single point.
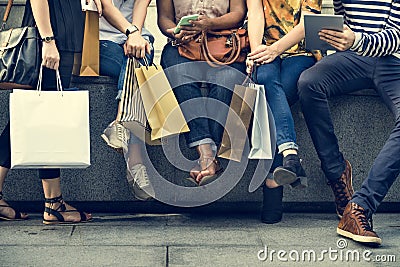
(217, 47)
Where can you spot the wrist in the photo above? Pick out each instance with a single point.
(131, 30)
(357, 39)
(48, 39)
(277, 48)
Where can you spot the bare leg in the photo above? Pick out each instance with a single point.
(206, 161)
(7, 212)
(271, 183)
(52, 189)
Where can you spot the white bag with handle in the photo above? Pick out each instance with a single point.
(260, 134)
(49, 129)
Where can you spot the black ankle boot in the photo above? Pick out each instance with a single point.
(291, 172)
(272, 208)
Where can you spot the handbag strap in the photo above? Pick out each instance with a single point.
(6, 14)
(211, 59)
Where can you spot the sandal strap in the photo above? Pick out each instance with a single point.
(55, 212)
(54, 199)
(81, 213)
(207, 160)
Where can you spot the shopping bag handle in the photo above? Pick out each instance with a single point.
(146, 63)
(58, 80)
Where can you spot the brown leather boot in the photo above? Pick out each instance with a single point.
(343, 189)
(355, 225)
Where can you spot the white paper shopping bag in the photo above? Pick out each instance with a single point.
(260, 134)
(49, 129)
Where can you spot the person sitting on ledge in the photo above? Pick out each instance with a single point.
(368, 57)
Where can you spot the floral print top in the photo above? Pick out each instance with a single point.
(281, 16)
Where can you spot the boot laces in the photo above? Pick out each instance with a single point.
(365, 223)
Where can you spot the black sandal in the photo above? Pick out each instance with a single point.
(17, 216)
(61, 208)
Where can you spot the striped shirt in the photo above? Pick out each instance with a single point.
(376, 24)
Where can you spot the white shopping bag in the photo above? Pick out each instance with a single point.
(49, 129)
(260, 134)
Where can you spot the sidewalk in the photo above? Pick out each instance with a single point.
(192, 240)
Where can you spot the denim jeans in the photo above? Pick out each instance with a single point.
(345, 72)
(280, 80)
(113, 63)
(113, 60)
(205, 116)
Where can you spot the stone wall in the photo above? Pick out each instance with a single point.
(362, 123)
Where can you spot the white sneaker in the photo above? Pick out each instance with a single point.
(139, 182)
(116, 136)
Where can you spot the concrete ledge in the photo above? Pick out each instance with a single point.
(361, 120)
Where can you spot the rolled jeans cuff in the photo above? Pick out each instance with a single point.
(204, 141)
(287, 145)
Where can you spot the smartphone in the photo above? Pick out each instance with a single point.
(185, 22)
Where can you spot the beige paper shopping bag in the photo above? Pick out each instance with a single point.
(237, 123)
(87, 63)
(162, 109)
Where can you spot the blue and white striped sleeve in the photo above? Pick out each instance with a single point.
(385, 42)
(338, 7)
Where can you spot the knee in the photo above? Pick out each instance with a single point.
(264, 76)
(308, 84)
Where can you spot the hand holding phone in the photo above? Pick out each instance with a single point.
(185, 22)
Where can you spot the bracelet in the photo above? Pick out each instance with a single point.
(48, 39)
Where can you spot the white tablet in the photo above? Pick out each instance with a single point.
(313, 23)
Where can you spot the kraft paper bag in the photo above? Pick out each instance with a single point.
(87, 63)
(49, 129)
(260, 135)
(237, 123)
(162, 109)
(131, 113)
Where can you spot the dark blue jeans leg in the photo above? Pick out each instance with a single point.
(386, 167)
(336, 74)
(221, 81)
(270, 75)
(185, 77)
(291, 68)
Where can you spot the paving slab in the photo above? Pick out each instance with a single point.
(301, 239)
(82, 256)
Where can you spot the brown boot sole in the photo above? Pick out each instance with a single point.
(368, 240)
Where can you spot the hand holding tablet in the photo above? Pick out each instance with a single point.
(314, 23)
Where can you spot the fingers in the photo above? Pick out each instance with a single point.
(259, 49)
(137, 50)
(99, 7)
(249, 66)
(148, 48)
(50, 63)
(336, 39)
